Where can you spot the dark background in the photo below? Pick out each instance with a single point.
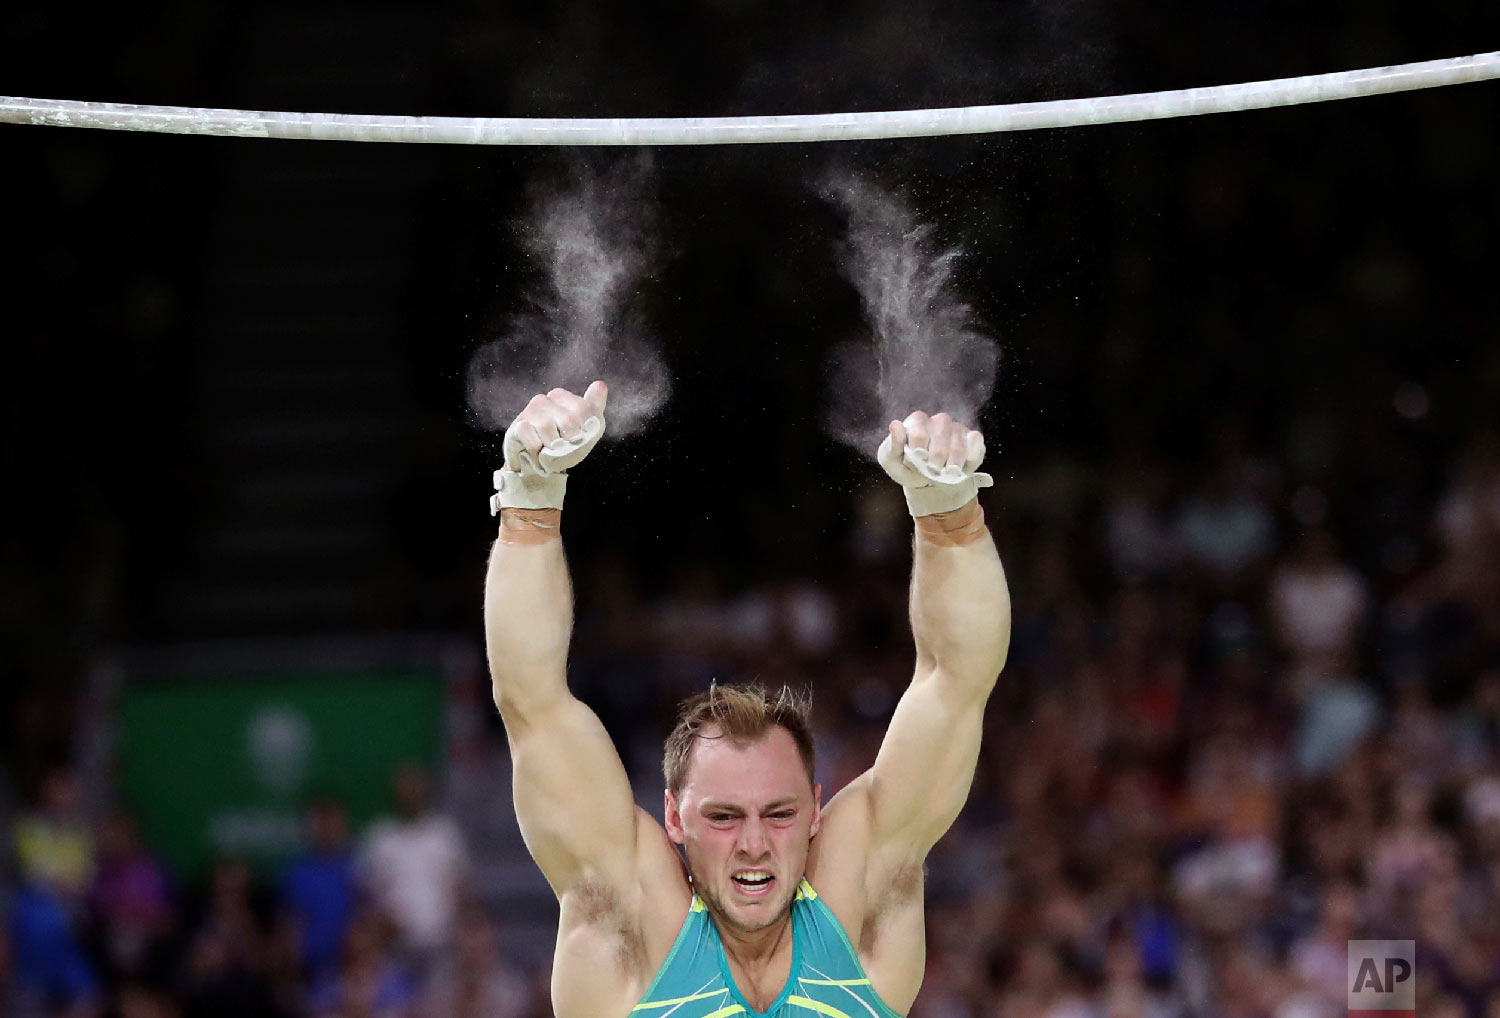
(233, 386)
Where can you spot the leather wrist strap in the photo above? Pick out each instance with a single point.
(953, 529)
(530, 526)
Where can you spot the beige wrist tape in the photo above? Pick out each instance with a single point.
(953, 529)
(530, 526)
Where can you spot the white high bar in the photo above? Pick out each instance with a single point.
(747, 130)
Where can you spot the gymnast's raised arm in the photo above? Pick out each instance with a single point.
(572, 797)
(879, 829)
(960, 621)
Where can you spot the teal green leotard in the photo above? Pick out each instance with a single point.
(826, 977)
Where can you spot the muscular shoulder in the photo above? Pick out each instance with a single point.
(858, 878)
(838, 863)
(613, 935)
(875, 894)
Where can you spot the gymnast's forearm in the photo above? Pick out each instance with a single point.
(528, 601)
(960, 603)
(528, 612)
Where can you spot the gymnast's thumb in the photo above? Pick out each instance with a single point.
(596, 396)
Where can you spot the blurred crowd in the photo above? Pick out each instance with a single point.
(1226, 743)
(384, 925)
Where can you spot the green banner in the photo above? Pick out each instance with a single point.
(225, 765)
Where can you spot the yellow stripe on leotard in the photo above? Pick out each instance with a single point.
(678, 1000)
(816, 1005)
(836, 982)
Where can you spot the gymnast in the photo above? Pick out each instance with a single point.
(752, 897)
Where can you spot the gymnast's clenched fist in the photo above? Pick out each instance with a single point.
(553, 434)
(936, 460)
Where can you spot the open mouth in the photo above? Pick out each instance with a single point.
(753, 883)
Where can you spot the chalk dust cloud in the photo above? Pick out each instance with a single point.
(925, 349)
(592, 238)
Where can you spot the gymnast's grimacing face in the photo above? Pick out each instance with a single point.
(745, 818)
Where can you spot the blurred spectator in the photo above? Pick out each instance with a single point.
(1043, 984)
(793, 614)
(140, 1000)
(472, 981)
(53, 977)
(1226, 885)
(1468, 513)
(1317, 606)
(9, 1003)
(317, 888)
(1126, 993)
(1447, 1006)
(1418, 736)
(1409, 850)
(226, 951)
(1320, 959)
(130, 900)
(1138, 530)
(413, 866)
(53, 843)
(1336, 713)
(1481, 805)
(1476, 729)
(1225, 527)
(370, 981)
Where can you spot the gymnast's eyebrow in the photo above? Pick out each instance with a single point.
(720, 806)
(733, 807)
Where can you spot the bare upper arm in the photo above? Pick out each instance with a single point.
(573, 800)
(877, 897)
(618, 880)
(878, 830)
(867, 861)
(925, 766)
